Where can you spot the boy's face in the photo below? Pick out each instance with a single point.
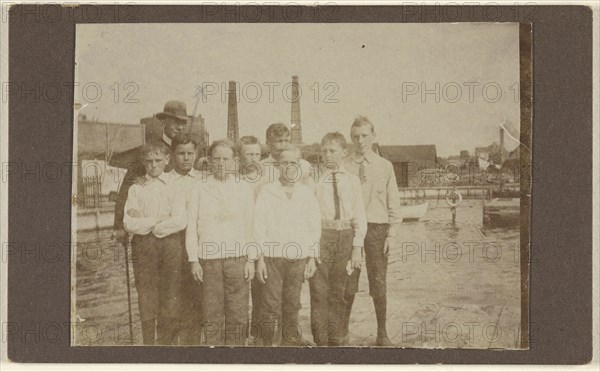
(332, 153)
(277, 142)
(250, 154)
(155, 163)
(362, 138)
(184, 157)
(289, 166)
(223, 160)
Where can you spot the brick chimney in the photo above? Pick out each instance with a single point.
(232, 115)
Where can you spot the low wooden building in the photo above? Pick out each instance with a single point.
(408, 160)
(98, 144)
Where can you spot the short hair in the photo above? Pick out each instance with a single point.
(334, 137)
(228, 143)
(277, 130)
(287, 147)
(248, 140)
(153, 146)
(182, 139)
(361, 121)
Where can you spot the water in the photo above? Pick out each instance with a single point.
(449, 285)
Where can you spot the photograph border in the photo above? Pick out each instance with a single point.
(28, 279)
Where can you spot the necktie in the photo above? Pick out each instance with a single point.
(336, 198)
(362, 174)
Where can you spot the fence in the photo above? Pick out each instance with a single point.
(92, 193)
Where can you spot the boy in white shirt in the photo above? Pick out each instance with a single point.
(182, 177)
(219, 245)
(287, 227)
(344, 225)
(154, 214)
(278, 137)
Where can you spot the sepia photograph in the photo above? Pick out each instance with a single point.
(301, 185)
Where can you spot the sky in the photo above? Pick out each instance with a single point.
(469, 72)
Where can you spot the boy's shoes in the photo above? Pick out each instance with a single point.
(383, 341)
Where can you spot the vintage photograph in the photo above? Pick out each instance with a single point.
(300, 185)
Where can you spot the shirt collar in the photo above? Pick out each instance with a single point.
(166, 139)
(193, 173)
(281, 190)
(340, 169)
(162, 178)
(369, 157)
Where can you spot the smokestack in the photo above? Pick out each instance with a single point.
(501, 145)
(296, 125)
(232, 115)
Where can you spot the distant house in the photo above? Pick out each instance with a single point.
(98, 141)
(408, 160)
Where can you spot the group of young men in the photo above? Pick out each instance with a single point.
(207, 243)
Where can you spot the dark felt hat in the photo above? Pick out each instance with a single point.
(174, 109)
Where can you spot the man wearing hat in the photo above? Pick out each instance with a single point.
(174, 120)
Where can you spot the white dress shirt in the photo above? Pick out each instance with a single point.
(184, 183)
(352, 208)
(380, 191)
(162, 209)
(284, 227)
(220, 220)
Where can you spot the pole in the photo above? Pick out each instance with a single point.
(106, 149)
(128, 293)
(453, 209)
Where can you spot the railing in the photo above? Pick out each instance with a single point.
(92, 193)
(434, 192)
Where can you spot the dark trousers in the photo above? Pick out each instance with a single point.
(224, 303)
(376, 262)
(191, 292)
(281, 300)
(256, 294)
(328, 286)
(157, 273)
